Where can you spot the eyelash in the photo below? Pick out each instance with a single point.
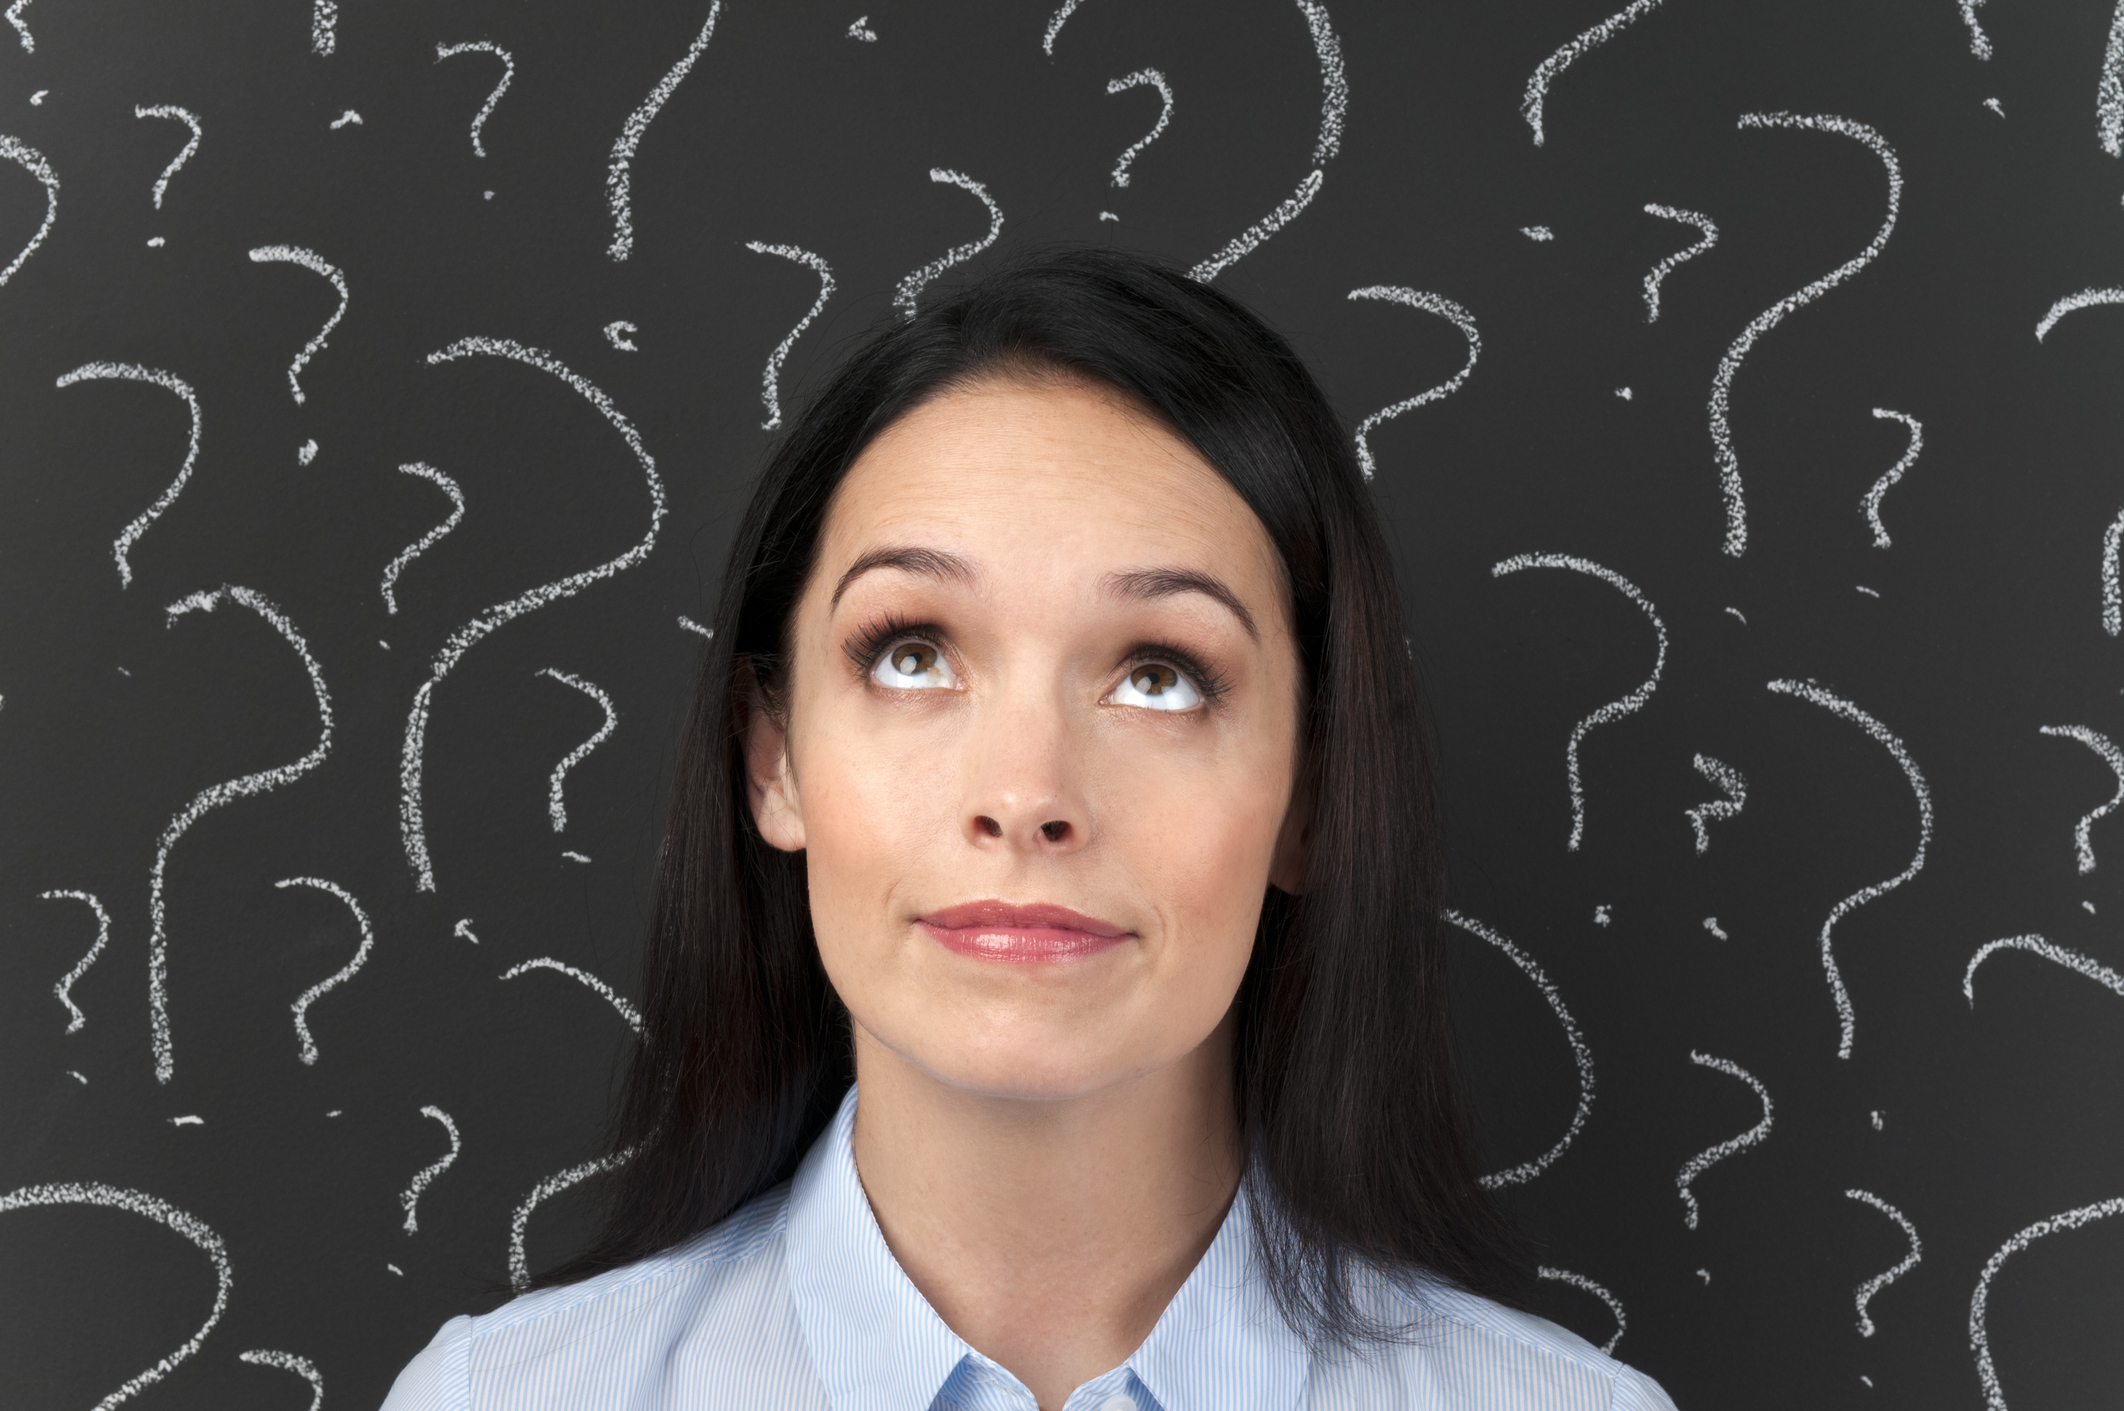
(865, 646)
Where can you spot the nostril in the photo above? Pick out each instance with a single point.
(989, 826)
(1054, 831)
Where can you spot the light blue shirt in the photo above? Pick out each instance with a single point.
(796, 1302)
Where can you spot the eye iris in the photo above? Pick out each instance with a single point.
(911, 660)
(1155, 680)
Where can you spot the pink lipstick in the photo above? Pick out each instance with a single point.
(996, 930)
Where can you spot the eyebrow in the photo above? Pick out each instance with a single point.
(930, 563)
(1165, 582)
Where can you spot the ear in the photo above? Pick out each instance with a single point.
(770, 784)
(1294, 843)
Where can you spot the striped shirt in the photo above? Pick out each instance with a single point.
(796, 1302)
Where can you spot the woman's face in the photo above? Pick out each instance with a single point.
(1040, 735)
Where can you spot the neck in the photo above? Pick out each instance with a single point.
(1049, 1233)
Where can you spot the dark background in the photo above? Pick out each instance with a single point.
(1987, 624)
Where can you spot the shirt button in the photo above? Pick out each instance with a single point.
(1119, 1401)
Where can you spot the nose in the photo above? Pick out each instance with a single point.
(1023, 794)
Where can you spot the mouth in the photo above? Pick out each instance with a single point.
(996, 930)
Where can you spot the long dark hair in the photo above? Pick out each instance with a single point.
(1347, 1095)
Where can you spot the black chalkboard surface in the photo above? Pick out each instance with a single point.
(379, 386)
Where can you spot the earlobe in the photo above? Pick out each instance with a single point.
(770, 785)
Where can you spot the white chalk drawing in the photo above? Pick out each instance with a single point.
(1334, 107)
(412, 824)
(575, 856)
(1728, 781)
(1874, 1285)
(37, 98)
(409, 1198)
(1054, 25)
(32, 161)
(1872, 502)
(2035, 945)
(288, 1362)
(2090, 907)
(345, 118)
(1613, 710)
(1736, 612)
(1815, 694)
(1602, 916)
(215, 796)
(1530, 105)
(1667, 266)
(486, 109)
(324, 26)
(903, 298)
(1537, 233)
(1711, 925)
(861, 30)
(162, 1213)
(1879, 1124)
(191, 1120)
(1711, 1156)
(64, 989)
(2109, 94)
(121, 547)
(556, 800)
(175, 114)
(1979, 42)
(428, 540)
(1869, 592)
(22, 29)
(306, 452)
(2071, 303)
(1446, 309)
(1979, 1302)
(1141, 78)
(315, 263)
(546, 962)
(519, 1267)
(77, 1077)
(2112, 591)
(2082, 843)
(1581, 1055)
(771, 380)
(619, 175)
(1624, 393)
(617, 334)
(1729, 475)
(690, 625)
(1993, 104)
(1580, 1281)
(1705, 1275)
(301, 1007)
(464, 928)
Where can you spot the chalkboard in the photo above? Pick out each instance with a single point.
(381, 383)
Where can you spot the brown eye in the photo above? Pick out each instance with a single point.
(1156, 685)
(913, 666)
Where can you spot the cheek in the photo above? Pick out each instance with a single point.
(872, 806)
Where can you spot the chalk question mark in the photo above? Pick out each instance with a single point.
(301, 1007)
(1667, 266)
(2095, 740)
(64, 989)
(619, 175)
(1711, 1156)
(1613, 710)
(1874, 1285)
(771, 381)
(1446, 309)
(1728, 781)
(315, 263)
(519, 1267)
(481, 46)
(1872, 502)
(612, 997)
(428, 540)
(411, 820)
(302, 1367)
(1580, 1281)
(903, 297)
(1979, 1302)
(1141, 78)
(32, 161)
(556, 800)
(174, 114)
(214, 797)
(1729, 476)
(162, 1213)
(169, 382)
(410, 1196)
(1815, 695)
(1537, 94)
(2057, 955)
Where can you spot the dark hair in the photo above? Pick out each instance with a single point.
(1344, 1073)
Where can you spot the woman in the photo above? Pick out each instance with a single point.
(1057, 778)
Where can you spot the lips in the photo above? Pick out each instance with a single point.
(995, 930)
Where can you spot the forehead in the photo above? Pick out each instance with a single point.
(1034, 478)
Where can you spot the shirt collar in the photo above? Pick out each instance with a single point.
(876, 1342)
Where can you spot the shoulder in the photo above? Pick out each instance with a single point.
(719, 1301)
(1466, 1351)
